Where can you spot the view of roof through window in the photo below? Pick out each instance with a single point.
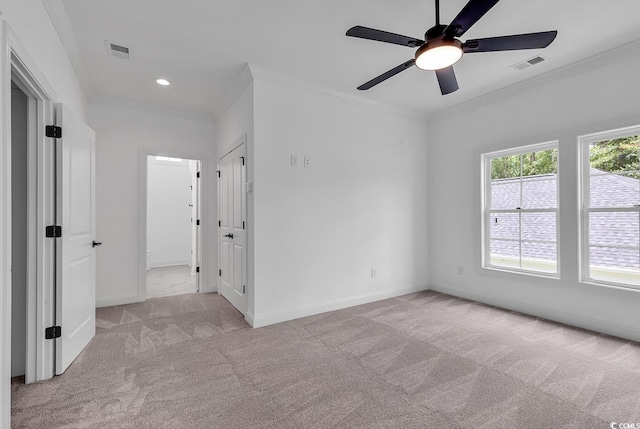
(522, 217)
(613, 215)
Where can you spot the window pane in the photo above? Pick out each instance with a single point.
(544, 162)
(616, 228)
(615, 156)
(540, 192)
(505, 194)
(505, 225)
(520, 183)
(505, 167)
(539, 256)
(614, 190)
(539, 227)
(614, 265)
(505, 253)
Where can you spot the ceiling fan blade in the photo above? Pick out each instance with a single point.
(510, 43)
(447, 80)
(469, 15)
(383, 36)
(384, 76)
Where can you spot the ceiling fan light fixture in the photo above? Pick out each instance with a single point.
(438, 54)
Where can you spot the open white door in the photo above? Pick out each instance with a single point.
(76, 278)
(233, 237)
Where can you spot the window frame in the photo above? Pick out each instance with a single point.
(487, 211)
(584, 142)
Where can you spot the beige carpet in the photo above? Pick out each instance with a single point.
(169, 281)
(425, 360)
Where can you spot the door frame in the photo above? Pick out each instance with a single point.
(242, 140)
(205, 225)
(14, 60)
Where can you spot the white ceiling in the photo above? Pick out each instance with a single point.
(203, 45)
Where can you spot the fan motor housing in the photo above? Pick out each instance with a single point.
(435, 32)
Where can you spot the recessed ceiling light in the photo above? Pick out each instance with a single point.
(163, 82)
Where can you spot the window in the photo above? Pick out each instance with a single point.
(611, 207)
(520, 205)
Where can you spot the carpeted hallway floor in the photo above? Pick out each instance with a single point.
(169, 281)
(425, 360)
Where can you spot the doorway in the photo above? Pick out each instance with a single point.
(173, 226)
(233, 228)
(30, 170)
(19, 229)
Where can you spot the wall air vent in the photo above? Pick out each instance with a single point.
(118, 50)
(530, 62)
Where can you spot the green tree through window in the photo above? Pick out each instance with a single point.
(616, 156)
(533, 164)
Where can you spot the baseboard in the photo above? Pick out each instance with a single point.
(116, 300)
(170, 264)
(250, 319)
(311, 310)
(209, 288)
(576, 320)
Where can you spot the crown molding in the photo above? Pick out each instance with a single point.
(261, 74)
(583, 66)
(60, 20)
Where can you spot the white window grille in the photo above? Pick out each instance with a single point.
(610, 203)
(520, 209)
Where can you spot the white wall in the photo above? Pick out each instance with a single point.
(123, 134)
(362, 204)
(19, 143)
(594, 96)
(168, 212)
(30, 22)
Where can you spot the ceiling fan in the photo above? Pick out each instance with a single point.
(442, 47)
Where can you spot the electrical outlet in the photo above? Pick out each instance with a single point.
(294, 161)
(307, 162)
(373, 273)
(460, 270)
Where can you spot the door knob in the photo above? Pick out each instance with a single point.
(229, 235)
(95, 243)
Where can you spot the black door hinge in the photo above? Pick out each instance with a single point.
(52, 332)
(53, 231)
(198, 222)
(218, 173)
(244, 289)
(242, 224)
(220, 273)
(197, 269)
(53, 131)
(198, 174)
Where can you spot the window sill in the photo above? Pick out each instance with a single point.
(615, 286)
(549, 276)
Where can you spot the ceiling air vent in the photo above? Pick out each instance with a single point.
(530, 62)
(117, 50)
